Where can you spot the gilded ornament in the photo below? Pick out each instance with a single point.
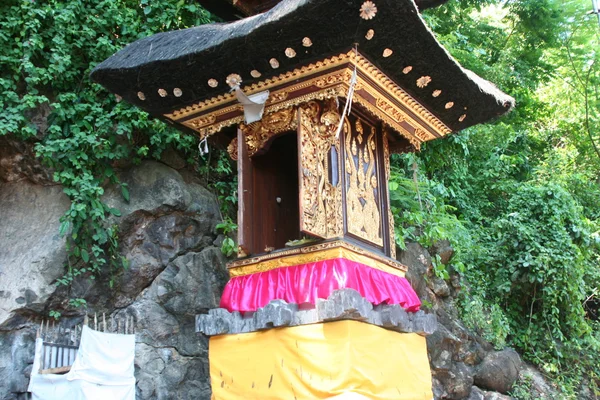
(387, 52)
(313, 253)
(331, 84)
(213, 83)
(277, 97)
(423, 81)
(177, 92)
(162, 92)
(255, 74)
(368, 10)
(274, 63)
(141, 96)
(258, 134)
(320, 200)
(306, 42)
(233, 80)
(436, 93)
(203, 121)
(362, 209)
(406, 70)
(462, 118)
(290, 53)
(386, 160)
(370, 34)
(232, 149)
(389, 109)
(449, 105)
(421, 134)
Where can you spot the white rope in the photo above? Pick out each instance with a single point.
(348, 105)
(203, 149)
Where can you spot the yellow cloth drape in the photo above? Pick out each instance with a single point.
(320, 361)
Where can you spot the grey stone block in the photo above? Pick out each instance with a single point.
(423, 324)
(344, 304)
(394, 317)
(275, 314)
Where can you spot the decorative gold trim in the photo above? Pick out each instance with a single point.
(259, 133)
(313, 253)
(256, 87)
(232, 149)
(320, 200)
(363, 212)
(331, 85)
(386, 160)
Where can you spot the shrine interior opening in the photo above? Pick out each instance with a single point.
(274, 204)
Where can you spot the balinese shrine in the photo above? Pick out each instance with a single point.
(311, 97)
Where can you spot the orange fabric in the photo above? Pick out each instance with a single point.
(320, 361)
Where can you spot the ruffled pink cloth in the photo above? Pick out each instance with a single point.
(308, 282)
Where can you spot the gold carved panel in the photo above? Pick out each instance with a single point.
(386, 160)
(258, 134)
(320, 199)
(363, 208)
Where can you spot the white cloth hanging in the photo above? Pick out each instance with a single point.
(254, 105)
(103, 369)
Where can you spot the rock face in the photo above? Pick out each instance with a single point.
(31, 252)
(167, 234)
(463, 365)
(499, 371)
(17, 158)
(177, 271)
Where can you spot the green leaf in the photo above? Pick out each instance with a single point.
(125, 192)
(64, 227)
(85, 255)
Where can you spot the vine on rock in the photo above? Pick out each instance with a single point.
(47, 50)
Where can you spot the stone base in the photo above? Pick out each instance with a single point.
(320, 361)
(343, 304)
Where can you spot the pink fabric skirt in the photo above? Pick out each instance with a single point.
(308, 282)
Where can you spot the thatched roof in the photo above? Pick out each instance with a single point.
(231, 11)
(188, 59)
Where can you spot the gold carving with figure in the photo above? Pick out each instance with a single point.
(258, 134)
(362, 192)
(320, 199)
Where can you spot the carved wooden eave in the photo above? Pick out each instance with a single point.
(328, 78)
(192, 69)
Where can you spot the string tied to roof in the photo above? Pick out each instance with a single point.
(348, 105)
(203, 146)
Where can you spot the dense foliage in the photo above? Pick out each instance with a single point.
(47, 50)
(518, 198)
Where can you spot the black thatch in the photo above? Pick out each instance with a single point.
(188, 59)
(425, 4)
(225, 10)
